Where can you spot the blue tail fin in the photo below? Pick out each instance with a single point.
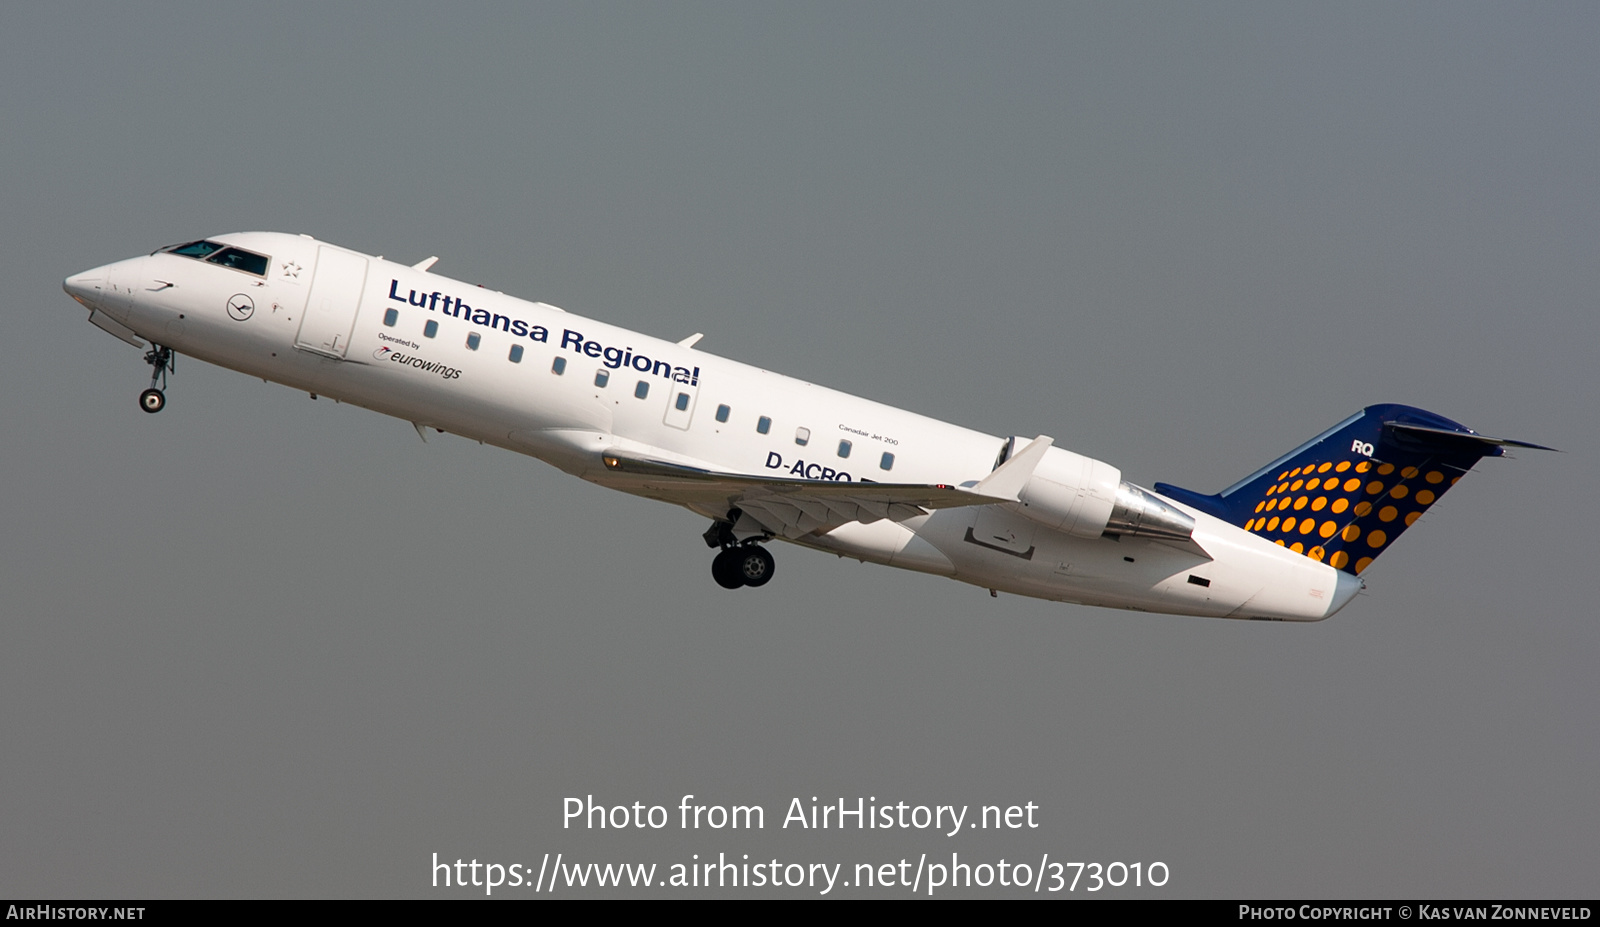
(1345, 495)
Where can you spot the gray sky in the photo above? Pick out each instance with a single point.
(258, 646)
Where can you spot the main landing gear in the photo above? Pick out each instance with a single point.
(745, 565)
(162, 362)
(739, 563)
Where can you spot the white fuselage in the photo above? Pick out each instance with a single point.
(320, 320)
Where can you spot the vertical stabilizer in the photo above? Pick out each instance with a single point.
(1345, 496)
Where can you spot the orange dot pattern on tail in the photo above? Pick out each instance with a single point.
(1356, 508)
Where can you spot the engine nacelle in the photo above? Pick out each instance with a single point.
(1069, 492)
(1088, 498)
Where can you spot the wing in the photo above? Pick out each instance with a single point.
(795, 508)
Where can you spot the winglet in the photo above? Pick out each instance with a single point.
(424, 265)
(1007, 480)
(692, 340)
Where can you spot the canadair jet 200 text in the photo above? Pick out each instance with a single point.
(764, 456)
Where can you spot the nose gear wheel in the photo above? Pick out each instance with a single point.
(162, 362)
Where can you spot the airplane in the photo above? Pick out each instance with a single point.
(767, 457)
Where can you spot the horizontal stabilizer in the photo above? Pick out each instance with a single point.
(1426, 432)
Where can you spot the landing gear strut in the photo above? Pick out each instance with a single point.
(739, 563)
(162, 361)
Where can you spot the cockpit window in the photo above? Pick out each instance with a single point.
(240, 259)
(214, 253)
(194, 249)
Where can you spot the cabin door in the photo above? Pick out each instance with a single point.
(330, 314)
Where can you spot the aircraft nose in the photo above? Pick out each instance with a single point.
(88, 287)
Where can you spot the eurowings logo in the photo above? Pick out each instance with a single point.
(426, 366)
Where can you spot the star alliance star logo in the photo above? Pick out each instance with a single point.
(291, 269)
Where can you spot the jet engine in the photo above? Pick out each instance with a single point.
(1088, 498)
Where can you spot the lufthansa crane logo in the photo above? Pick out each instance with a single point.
(240, 307)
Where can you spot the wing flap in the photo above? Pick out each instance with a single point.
(795, 508)
(925, 495)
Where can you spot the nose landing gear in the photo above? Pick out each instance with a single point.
(162, 361)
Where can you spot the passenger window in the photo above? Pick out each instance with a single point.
(516, 354)
(391, 316)
(722, 413)
(602, 377)
(473, 340)
(886, 462)
(642, 390)
(763, 425)
(430, 329)
(558, 366)
(683, 402)
(239, 259)
(802, 436)
(844, 448)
